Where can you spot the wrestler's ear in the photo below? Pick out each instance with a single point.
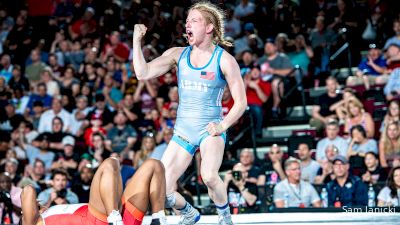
(209, 28)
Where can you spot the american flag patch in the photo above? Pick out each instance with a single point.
(207, 75)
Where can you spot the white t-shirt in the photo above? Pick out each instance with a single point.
(384, 195)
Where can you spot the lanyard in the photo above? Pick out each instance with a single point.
(294, 191)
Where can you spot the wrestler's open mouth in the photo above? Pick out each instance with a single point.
(189, 33)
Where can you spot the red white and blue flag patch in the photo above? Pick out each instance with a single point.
(207, 75)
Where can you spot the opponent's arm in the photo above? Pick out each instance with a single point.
(158, 66)
(231, 70)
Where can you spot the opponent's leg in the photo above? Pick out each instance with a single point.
(176, 159)
(212, 151)
(148, 185)
(106, 190)
(30, 211)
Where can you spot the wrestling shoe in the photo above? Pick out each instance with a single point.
(159, 221)
(190, 217)
(114, 218)
(225, 218)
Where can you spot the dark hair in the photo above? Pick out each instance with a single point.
(390, 102)
(360, 129)
(372, 153)
(99, 134)
(391, 184)
(39, 161)
(59, 171)
(58, 118)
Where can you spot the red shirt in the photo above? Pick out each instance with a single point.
(227, 106)
(88, 135)
(252, 97)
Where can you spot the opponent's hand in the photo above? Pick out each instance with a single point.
(139, 32)
(215, 129)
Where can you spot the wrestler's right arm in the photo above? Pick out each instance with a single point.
(157, 67)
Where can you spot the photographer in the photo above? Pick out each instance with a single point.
(10, 202)
(242, 195)
(58, 194)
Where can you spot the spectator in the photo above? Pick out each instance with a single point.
(145, 92)
(321, 112)
(396, 38)
(6, 67)
(82, 184)
(371, 69)
(160, 149)
(332, 138)
(9, 119)
(68, 159)
(37, 111)
(145, 151)
(249, 41)
(79, 115)
(341, 106)
(96, 127)
(360, 144)
(392, 115)
(374, 172)
(346, 189)
(389, 146)
(122, 136)
(309, 167)
(325, 173)
(19, 40)
(389, 195)
(293, 191)
(102, 111)
(131, 110)
(273, 169)
(68, 79)
(115, 48)
(36, 175)
(52, 86)
(278, 65)
(301, 54)
(18, 79)
(83, 26)
(392, 57)
(98, 151)
(112, 94)
(12, 205)
(33, 70)
(45, 123)
(11, 167)
(358, 116)
(20, 100)
(232, 24)
(392, 87)
(254, 174)
(58, 194)
(56, 135)
(257, 92)
(227, 102)
(41, 152)
(244, 10)
(242, 194)
(41, 96)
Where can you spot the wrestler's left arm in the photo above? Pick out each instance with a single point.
(231, 71)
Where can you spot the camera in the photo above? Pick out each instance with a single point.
(62, 193)
(237, 175)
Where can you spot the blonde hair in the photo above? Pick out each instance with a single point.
(388, 146)
(214, 15)
(357, 104)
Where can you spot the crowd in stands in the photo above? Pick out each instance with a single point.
(69, 97)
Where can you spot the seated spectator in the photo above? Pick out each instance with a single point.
(41, 152)
(257, 92)
(11, 167)
(250, 41)
(346, 189)
(309, 167)
(332, 138)
(389, 195)
(396, 38)
(41, 96)
(254, 174)
(96, 126)
(6, 67)
(36, 175)
(371, 69)
(68, 79)
(20, 100)
(232, 24)
(18, 79)
(55, 137)
(321, 112)
(98, 151)
(360, 144)
(85, 25)
(392, 57)
(392, 115)
(389, 146)
(103, 111)
(358, 116)
(13, 204)
(79, 115)
(9, 119)
(293, 191)
(160, 149)
(68, 159)
(32, 71)
(242, 194)
(392, 87)
(273, 168)
(145, 151)
(278, 65)
(122, 136)
(58, 194)
(244, 10)
(81, 186)
(115, 48)
(111, 93)
(325, 172)
(301, 54)
(341, 106)
(373, 172)
(46, 120)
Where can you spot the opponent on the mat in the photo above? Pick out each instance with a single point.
(204, 69)
(147, 185)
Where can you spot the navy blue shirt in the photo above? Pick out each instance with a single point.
(353, 193)
(126, 173)
(369, 70)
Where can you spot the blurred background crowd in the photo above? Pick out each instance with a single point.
(69, 99)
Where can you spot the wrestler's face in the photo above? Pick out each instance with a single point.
(59, 182)
(196, 27)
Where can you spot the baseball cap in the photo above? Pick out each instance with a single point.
(249, 27)
(68, 140)
(341, 159)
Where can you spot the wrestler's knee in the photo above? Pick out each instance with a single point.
(210, 179)
(110, 164)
